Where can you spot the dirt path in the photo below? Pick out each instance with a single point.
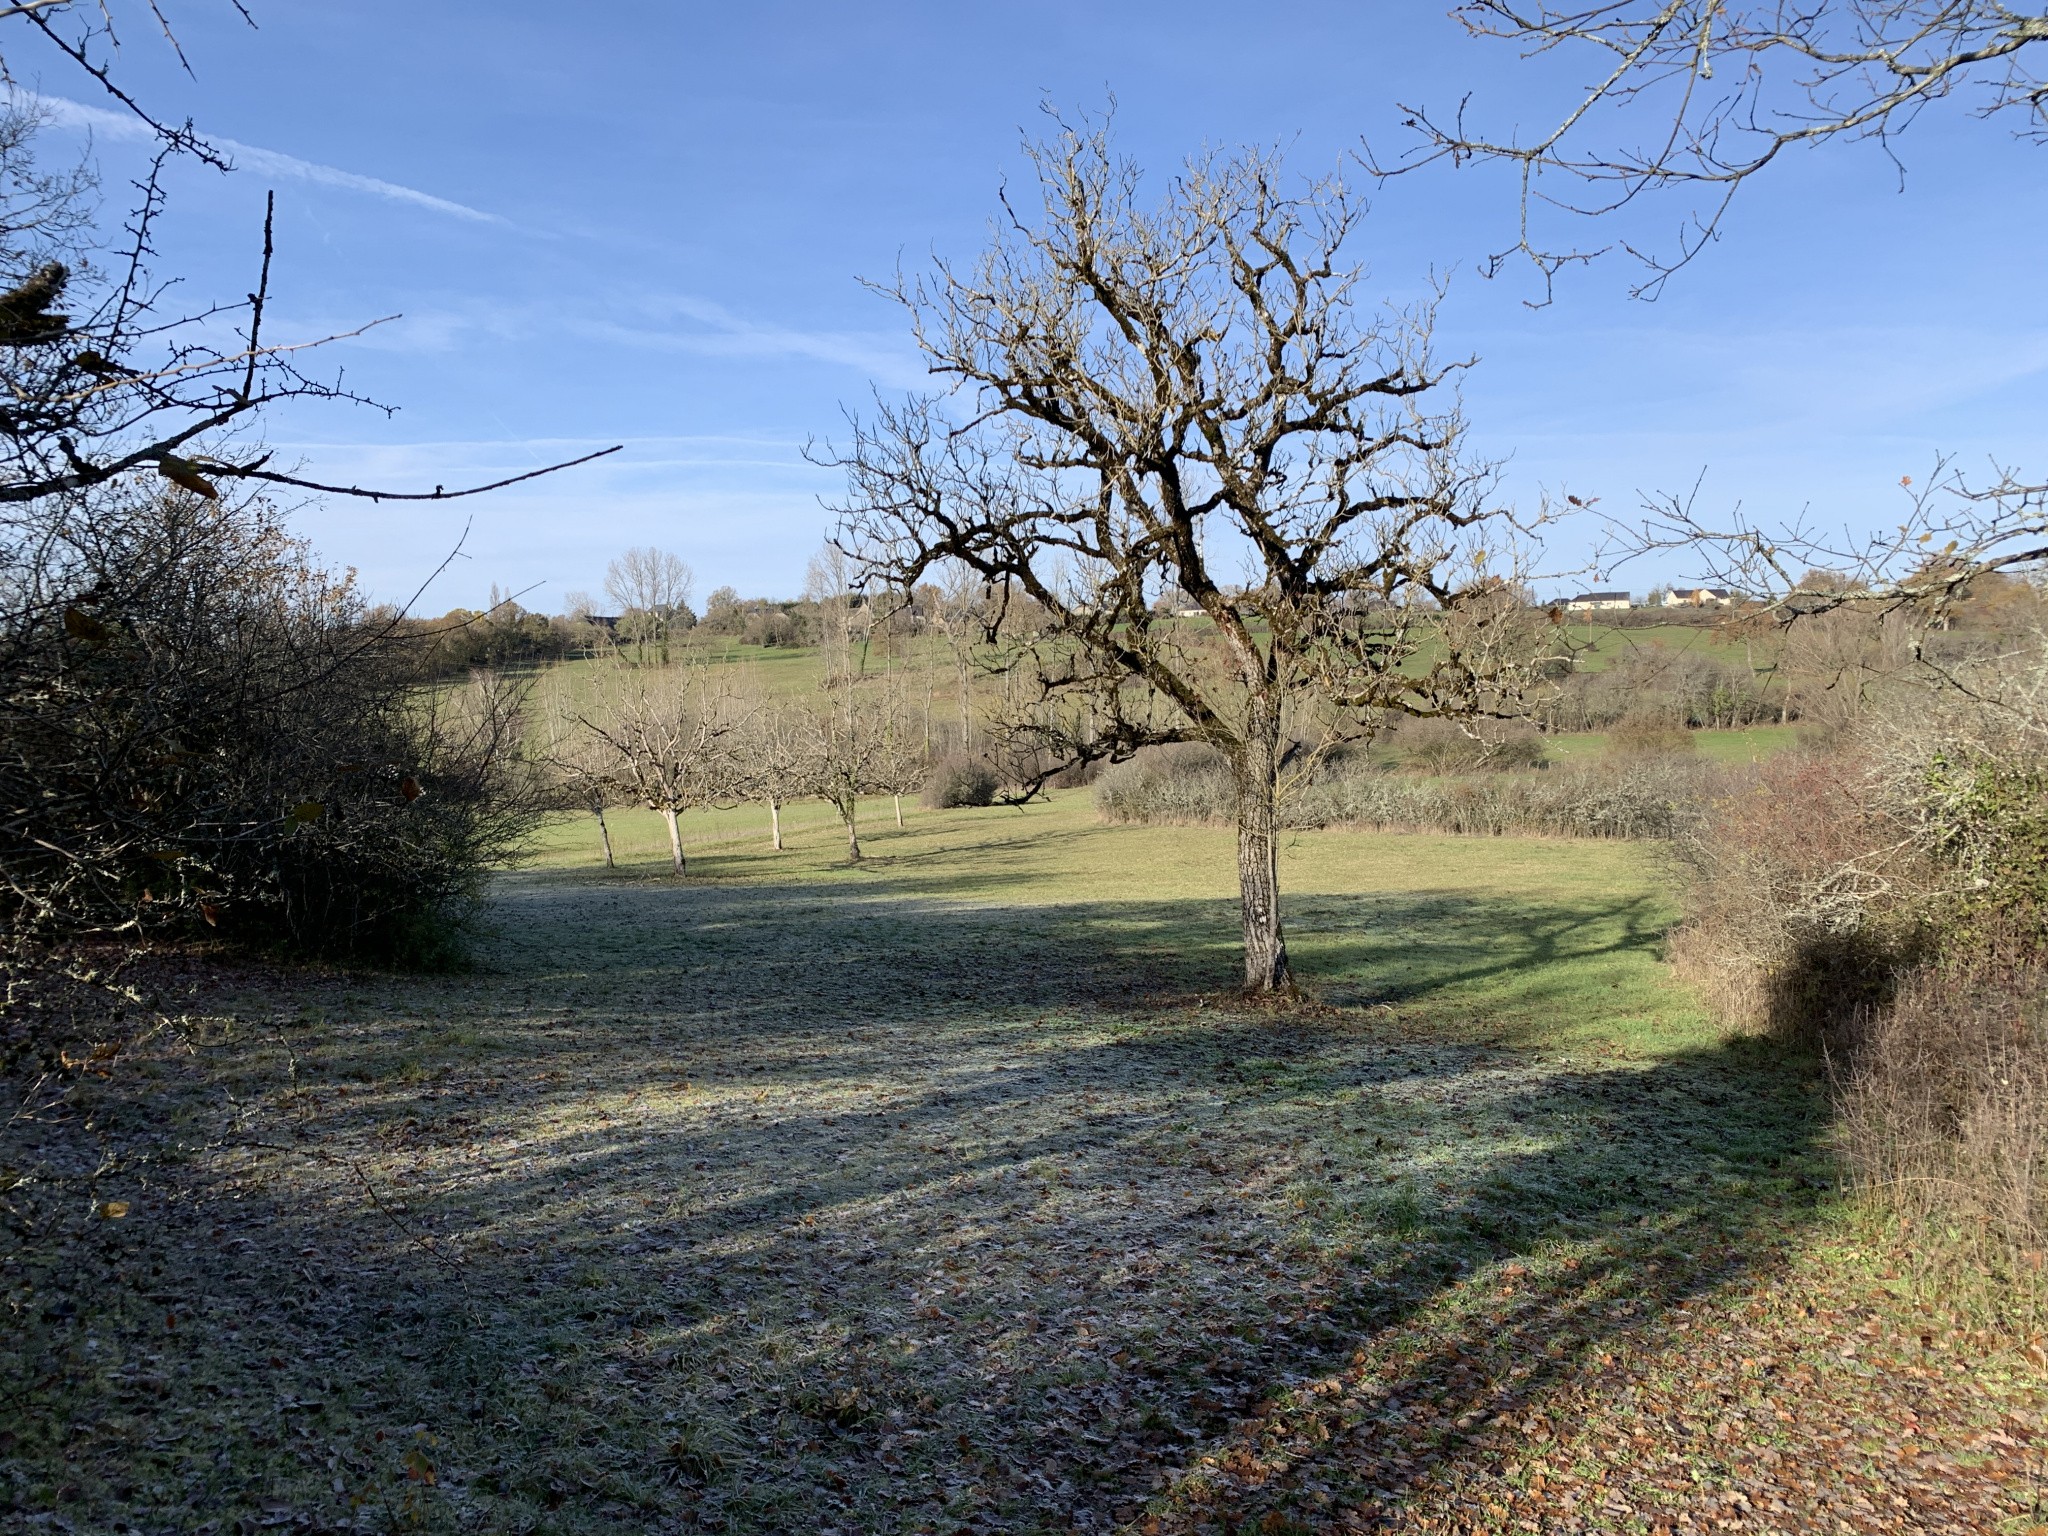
(762, 1208)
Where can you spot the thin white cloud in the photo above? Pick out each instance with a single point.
(725, 334)
(113, 125)
(662, 323)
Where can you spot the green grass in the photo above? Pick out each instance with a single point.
(779, 671)
(1551, 936)
(1747, 745)
(570, 841)
(1604, 644)
(797, 671)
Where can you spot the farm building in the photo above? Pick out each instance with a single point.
(1598, 602)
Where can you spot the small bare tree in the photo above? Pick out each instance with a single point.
(775, 752)
(671, 742)
(1187, 394)
(846, 752)
(583, 765)
(901, 762)
(652, 588)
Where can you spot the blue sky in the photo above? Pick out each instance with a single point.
(644, 223)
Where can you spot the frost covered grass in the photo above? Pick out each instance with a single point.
(946, 1191)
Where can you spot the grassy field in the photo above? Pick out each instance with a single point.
(1607, 643)
(1747, 745)
(796, 671)
(955, 1191)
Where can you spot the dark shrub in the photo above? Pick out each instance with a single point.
(203, 734)
(1443, 746)
(958, 781)
(1945, 1114)
(1798, 913)
(1884, 901)
(1638, 737)
(1080, 776)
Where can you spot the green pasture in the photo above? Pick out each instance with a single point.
(1511, 936)
(796, 672)
(1605, 644)
(1747, 744)
(781, 671)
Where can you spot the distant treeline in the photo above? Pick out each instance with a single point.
(507, 635)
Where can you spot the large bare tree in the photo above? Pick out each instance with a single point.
(1189, 393)
(1699, 96)
(652, 588)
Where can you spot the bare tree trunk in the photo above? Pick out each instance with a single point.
(604, 832)
(899, 811)
(852, 813)
(1255, 766)
(966, 705)
(775, 822)
(675, 837)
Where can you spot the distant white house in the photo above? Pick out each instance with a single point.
(1698, 597)
(1599, 602)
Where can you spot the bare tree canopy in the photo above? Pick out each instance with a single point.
(1187, 394)
(87, 35)
(649, 581)
(1701, 95)
(667, 742)
(652, 589)
(774, 758)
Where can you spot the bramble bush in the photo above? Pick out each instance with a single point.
(204, 736)
(1447, 746)
(957, 781)
(1886, 900)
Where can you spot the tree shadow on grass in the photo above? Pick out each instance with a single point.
(751, 1208)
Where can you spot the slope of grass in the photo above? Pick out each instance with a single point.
(1746, 745)
(1604, 644)
(1524, 933)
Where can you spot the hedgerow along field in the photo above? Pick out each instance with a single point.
(956, 1191)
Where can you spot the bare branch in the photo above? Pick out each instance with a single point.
(438, 493)
(1702, 95)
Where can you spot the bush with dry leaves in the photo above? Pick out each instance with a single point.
(202, 735)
